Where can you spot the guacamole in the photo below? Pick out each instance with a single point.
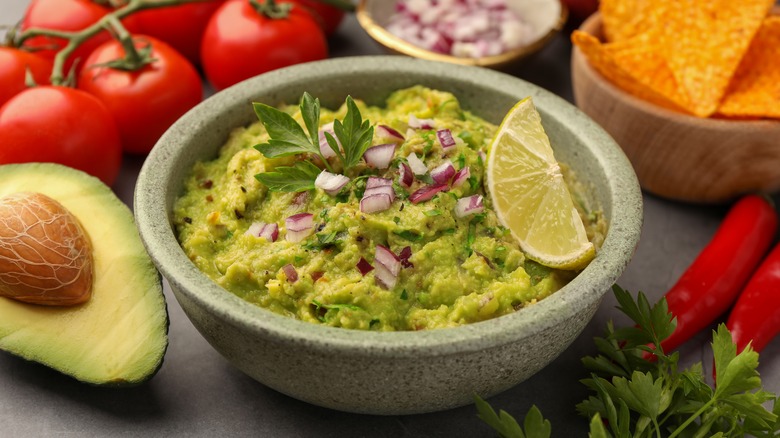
(426, 260)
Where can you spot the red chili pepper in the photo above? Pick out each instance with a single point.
(756, 315)
(714, 280)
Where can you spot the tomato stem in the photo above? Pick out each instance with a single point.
(271, 9)
(76, 38)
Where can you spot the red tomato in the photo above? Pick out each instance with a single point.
(180, 26)
(240, 42)
(145, 102)
(329, 17)
(13, 66)
(67, 15)
(60, 125)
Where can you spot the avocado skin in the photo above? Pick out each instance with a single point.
(120, 336)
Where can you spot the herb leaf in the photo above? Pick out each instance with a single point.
(310, 112)
(354, 133)
(286, 137)
(296, 178)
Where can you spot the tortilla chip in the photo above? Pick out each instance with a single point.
(624, 19)
(755, 89)
(635, 67)
(704, 41)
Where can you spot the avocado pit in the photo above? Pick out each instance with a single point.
(45, 254)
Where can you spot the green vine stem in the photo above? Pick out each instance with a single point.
(75, 39)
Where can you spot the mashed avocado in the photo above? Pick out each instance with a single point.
(454, 269)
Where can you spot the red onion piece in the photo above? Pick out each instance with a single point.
(388, 265)
(316, 275)
(404, 255)
(379, 156)
(461, 177)
(416, 123)
(418, 167)
(290, 273)
(261, 229)
(469, 205)
(426, 193)
(364, 267)
(387, 133)
(331, 183)
(405, 175)
(376, 202)
(299, 226)
(445, 139)
(375, 181)
(443, 173)
(325, 148)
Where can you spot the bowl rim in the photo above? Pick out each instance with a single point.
(593, 25)
(398, 45)
(153, 203)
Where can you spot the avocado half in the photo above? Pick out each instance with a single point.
(120, 335)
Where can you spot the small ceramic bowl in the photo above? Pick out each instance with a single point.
(547, 17)
(387, 372)
(675, 155)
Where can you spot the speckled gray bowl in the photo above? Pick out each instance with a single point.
(387, 373)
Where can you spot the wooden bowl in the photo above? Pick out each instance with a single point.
(675, 155)
(547, 16)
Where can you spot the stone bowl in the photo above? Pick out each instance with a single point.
(675, 155)
(387, 372)
(547, 18)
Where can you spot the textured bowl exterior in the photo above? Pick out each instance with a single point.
(675, 155)
(398, 372)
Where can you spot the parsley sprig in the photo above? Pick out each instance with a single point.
(287, 137)
(635, 397)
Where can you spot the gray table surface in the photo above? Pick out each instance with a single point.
(198, 393)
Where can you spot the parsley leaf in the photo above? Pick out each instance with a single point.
(286, 137)
(534, 425)
(354, 133)
(296, 178)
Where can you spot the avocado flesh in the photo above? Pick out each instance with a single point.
(120, 335)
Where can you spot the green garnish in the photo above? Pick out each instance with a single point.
(324, 240)
(287, 137)
(409, 235)
(534, 426)
(642, 398)
(321, 310)
(434, 212)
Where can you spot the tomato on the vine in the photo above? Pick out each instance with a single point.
(14, 64)
(146, 101)
(328, 16)
(180, 26)
(66, 15)
(60, 125)
(243, 40)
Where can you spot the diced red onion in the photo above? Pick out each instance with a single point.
(445, 139)
(261, 229)
(418, 167)
(426, 193)
(375, 181)
(461, 177)
(405, 175)
(376, 202)
(404, 255)
(299, 226)
(290, 273)
(469, 205)
(316, 275)
(469, 28)
(416, 123)
(442, 173)
(388, 265)
(387, 133)
(331, 183)
(364, 267)
(379, 156)
(325, 148)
